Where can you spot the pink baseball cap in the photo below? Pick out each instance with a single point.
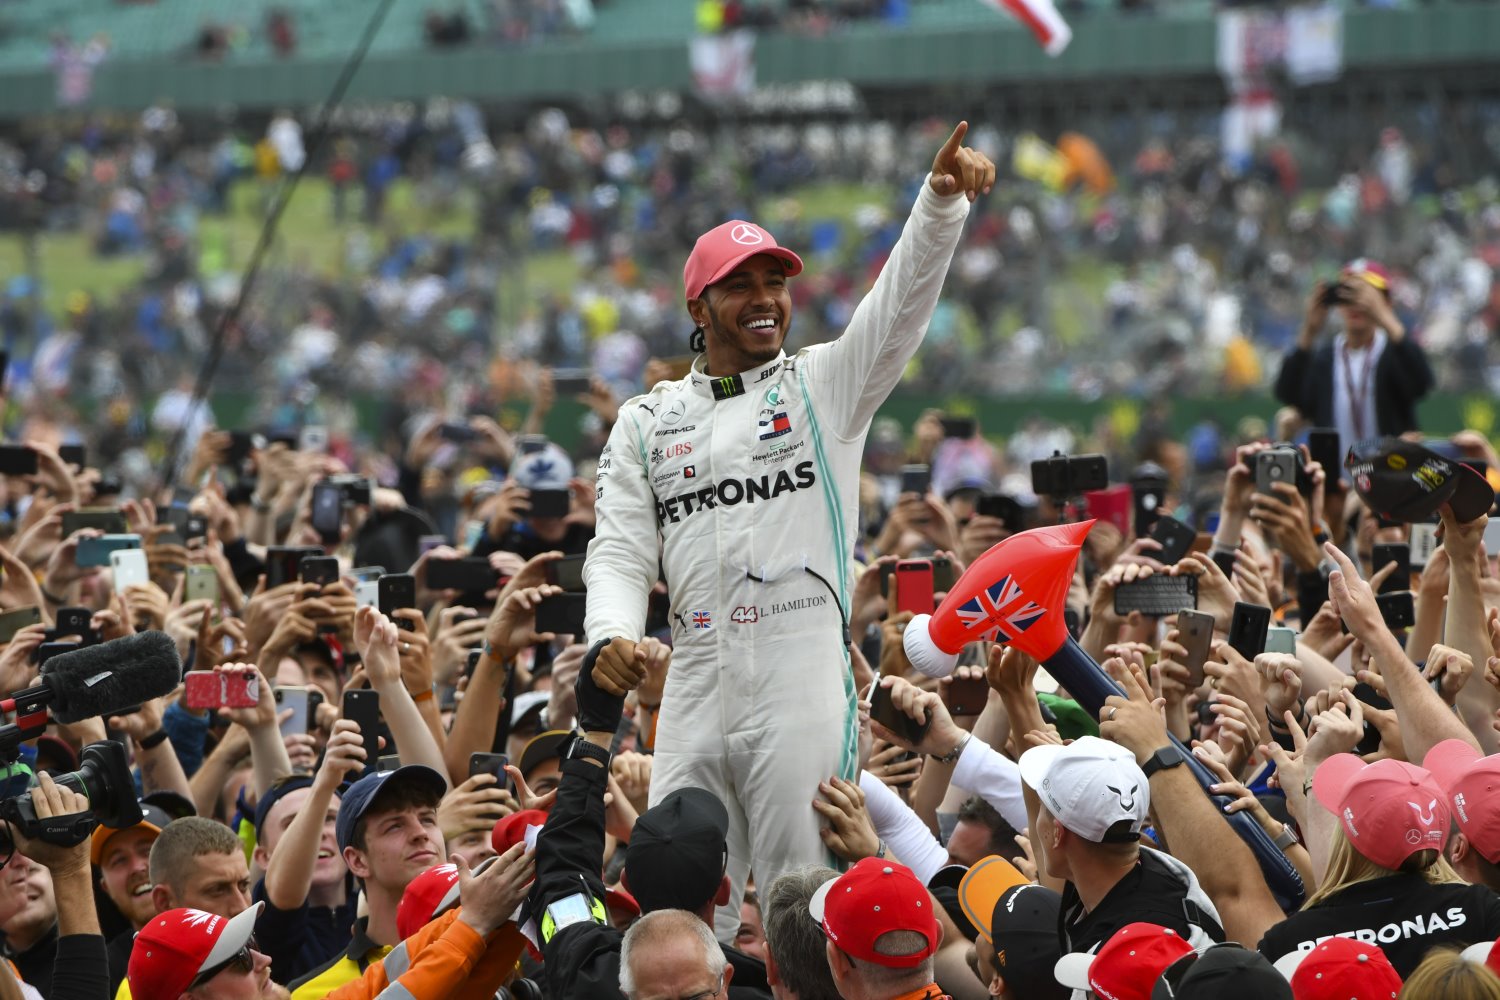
(1390, 809)
(723, 248)
(1472, 784)
(1341, 968)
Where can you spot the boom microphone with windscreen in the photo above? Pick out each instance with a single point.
(102, 679)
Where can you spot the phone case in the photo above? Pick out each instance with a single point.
(883, 711)
(397, 591)
(1195, 631)
(914, 586)
(318, 570)
(12, 622)
(916, 479)
(1112, 504)
(967, 696)
(1175, 537)
(562, 614)
(1247, 629)
(551, 503)
(299, 700)
(209, 689)
(489, 763)
(202, 584)
(129, 567)
(1397, 610)
(363, 707)
(1280, 639)
(1400, 554)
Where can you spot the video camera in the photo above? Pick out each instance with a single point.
(81, 684)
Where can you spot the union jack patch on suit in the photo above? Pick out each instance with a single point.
(702, 619)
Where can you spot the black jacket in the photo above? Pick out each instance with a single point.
(1402, 378)
(582, 960)
(1403, 913)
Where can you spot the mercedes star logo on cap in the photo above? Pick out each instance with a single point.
(746, 234)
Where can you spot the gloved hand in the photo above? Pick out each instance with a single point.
(598, 710)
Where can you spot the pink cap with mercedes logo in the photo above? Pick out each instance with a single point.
(723, 248)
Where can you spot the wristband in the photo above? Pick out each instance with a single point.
(50, 598)
(420, 696)
(156, 739)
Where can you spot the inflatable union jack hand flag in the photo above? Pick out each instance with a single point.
(1013, 594)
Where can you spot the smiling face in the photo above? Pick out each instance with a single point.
(124, 868)
(329, 869)
(746, 316)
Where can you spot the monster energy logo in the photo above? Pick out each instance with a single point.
(726, 387)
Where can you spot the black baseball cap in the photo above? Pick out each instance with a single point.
(543, 747)
(1023, 929)
(1404, 481)
(678, 851)
(1223, 972)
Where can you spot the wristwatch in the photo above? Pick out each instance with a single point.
(1286, 838)
(582, 749)
(1167, 757)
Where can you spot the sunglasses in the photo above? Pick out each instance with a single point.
(241, 963)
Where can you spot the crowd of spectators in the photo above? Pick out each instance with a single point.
(392, 609)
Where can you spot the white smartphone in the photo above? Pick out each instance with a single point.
(298, 700)
(1280, 639)
(314, 439)
(367, 594)
(129, 567)
(1424, 543)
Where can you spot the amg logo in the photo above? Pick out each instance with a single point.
(734, 491)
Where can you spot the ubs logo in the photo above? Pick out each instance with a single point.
(679, 449)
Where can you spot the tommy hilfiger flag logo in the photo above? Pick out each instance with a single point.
(1000, 612)
(774, 427)
(702, 619)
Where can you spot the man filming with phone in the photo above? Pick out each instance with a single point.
(748, 472)
(1368, 379)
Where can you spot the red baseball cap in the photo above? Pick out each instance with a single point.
(178, 946)
(1127, 966)
(1340, 968)
(870, 900)
(723, 248)
(1373, 272)
(1472, 784)
(1390, 809)
(511, 830)
(424, 897)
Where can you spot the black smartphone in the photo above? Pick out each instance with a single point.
(47, 650)
(470, 573)
(1147, 497)
(916, 479)
(319, 570)
(959, 427)
(17, 460)
(1157, 596)
(567, 573)
(12, 622)
(1175, 537)
(328, 511)
(1398, 611)
(241, 445)
(1225, 562)
(107, 519)
(490, 763)
(1247, 629)
(883, 711)
(1323, 447)
(562, 614)
(393, 592)
(569, 382)
(457, 433)
(74, 454)
(550, 503)
(472, 662)
(943, 576)
(1392, 552)
(283, 562)
(79, 622)
(1002, 506)
(362, 706)
(887, 571)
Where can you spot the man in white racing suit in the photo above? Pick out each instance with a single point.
(741, 480)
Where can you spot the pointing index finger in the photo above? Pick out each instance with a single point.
(955, 141)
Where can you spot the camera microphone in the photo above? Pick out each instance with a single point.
(102, 679)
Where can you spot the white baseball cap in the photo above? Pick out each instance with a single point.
(1089, 785)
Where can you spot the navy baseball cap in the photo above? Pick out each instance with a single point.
(361, 796)
(274, 794)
